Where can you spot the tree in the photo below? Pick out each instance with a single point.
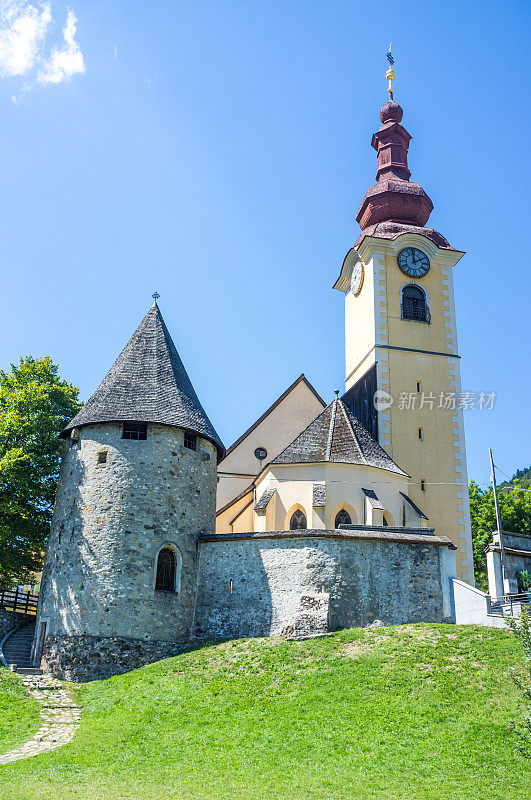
(515, 513)
(35, 405)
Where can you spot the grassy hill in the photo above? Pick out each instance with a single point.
(420, 712)
(19, 713)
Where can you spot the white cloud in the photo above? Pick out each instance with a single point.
(23, 29)
(66, 61)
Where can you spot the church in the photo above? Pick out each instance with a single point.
(320, 516)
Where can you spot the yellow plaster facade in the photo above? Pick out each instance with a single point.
(274, 430)
(413, 358)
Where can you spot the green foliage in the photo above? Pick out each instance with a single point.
(523, 476)
(35, 404)
(515, 512)
(524, 580)
(521, 627)
(416, 712)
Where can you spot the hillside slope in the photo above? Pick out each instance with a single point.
(418, 712)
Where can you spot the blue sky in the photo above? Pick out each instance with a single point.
(218, 151)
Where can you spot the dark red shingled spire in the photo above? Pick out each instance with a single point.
(393, 198)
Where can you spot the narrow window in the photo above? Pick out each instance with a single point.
(166, 568)
(414, 304)
(230, 586)
(419, 386)
(190, 440)
(134, 430)
(423, 485)
(102, 457)
(342, 518)
(297, 521)
(421, 435)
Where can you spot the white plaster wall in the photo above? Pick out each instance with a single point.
(344, 483)
(292, 415)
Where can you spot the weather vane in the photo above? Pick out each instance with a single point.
(390, 75)
(155, 296)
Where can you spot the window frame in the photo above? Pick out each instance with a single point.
(408, 315)
(177, 561)
(342, 511)
(134, 431)
(190, 440)
(296, 512)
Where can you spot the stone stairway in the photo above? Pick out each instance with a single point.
(17, 650)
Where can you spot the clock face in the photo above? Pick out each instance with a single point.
(357, 278)
(413, 262)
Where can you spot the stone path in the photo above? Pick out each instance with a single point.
(60, 717)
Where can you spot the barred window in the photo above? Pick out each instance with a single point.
(342, 518)
(297, 521)
(134, 430)
(166, 570)
(190, 440)
(414, 304)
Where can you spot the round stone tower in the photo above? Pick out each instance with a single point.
(136, 490)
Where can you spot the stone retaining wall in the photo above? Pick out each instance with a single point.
(88, 658)
(10, 620)
(252, 585)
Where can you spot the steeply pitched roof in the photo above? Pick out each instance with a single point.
(148, 383)
(264, 500)
(337, 436)
(301, 379)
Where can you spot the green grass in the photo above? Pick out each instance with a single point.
(421, 712)
(19, 713)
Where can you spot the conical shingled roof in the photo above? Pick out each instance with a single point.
(148, 383)
(337, 436)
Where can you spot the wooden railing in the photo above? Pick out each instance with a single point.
(19, 601)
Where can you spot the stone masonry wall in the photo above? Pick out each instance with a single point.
(10, 620)
(88, 658)
(111, 518)
(253, 586)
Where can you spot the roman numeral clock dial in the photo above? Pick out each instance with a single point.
(413, 262)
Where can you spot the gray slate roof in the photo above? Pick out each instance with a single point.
(264, 500)
(148, 383)
(337, 436)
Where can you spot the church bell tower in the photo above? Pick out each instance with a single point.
(402, 358)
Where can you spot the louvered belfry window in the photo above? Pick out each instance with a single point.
(342, 518)
(414, 304)
(166, 566)
(297, 521)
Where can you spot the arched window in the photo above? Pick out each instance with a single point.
(297, 521)
(342, 518)
(415, 303)
(166, 570)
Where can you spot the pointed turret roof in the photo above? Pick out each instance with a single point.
(337, 436)
(148, 383)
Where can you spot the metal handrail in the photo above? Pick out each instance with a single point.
(19, 601)
(508, 601)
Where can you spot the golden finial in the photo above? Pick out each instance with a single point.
(390, 75)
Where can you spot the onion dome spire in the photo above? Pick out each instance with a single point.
(393, 198)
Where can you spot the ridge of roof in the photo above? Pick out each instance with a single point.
(148, 383)
(301, 379)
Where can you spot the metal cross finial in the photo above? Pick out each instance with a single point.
(336, 392)
(155, 296)
(390, 75)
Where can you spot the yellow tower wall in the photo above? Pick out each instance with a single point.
(407, 352)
